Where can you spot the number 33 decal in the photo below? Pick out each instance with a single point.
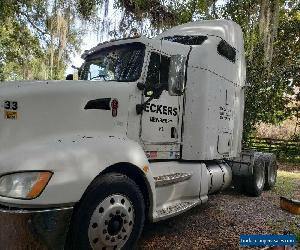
(10, 105)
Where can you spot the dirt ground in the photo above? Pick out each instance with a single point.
(218, 223)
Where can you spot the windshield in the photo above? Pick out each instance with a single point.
(122, 63)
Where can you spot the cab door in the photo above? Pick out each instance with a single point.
(162, 117)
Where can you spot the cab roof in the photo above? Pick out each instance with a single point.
(228, 30)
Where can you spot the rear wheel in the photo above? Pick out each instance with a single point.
(109, 216)
(238, 183)
(254, 184)
(271, 172)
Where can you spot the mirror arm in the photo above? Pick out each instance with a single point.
(140, 107)
(141, 86)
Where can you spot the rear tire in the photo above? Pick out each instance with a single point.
(271, 171)
(238, 183)
(110, 215)
(254, 184)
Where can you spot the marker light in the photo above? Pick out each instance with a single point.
(25, 185)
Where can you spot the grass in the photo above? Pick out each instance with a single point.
(288, 185)
(280, 226)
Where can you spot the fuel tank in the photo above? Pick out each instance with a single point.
(219, 176)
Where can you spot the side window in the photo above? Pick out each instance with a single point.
(226, 50)
(158, 67)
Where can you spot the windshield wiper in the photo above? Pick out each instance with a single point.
(99, 76)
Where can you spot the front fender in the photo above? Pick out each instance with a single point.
(75, 163)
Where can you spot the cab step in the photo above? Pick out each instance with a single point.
(169, 179)
(175, 208)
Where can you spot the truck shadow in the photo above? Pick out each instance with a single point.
(200, 222)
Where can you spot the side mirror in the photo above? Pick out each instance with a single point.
(177, 75)
(69, 77)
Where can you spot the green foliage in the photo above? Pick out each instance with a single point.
(287, 150)
(272, 83)
(37, 38)
(19, 49)
(86, 8)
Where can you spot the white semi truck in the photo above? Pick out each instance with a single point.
(151, 128)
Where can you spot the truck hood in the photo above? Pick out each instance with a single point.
(50, 110)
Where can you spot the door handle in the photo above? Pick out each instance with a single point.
(174, 133)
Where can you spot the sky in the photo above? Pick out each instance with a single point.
(92, 38)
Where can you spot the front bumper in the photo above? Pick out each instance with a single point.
(34, 229)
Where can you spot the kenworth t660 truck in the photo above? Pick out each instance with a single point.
(150, 129)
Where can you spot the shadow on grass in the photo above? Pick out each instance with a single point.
(288, 185)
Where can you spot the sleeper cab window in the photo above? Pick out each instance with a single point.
(158, 73)
(187, 40)
(227, 51)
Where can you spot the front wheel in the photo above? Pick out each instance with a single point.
(110, 215)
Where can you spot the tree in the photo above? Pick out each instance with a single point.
(272, 33)
(37, 38)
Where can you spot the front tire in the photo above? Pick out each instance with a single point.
(110, 215)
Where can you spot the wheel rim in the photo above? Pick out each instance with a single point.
(260, 178)
(111, 223)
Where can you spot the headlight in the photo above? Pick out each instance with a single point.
(25, 185)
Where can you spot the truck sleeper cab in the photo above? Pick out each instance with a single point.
(151, 128)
